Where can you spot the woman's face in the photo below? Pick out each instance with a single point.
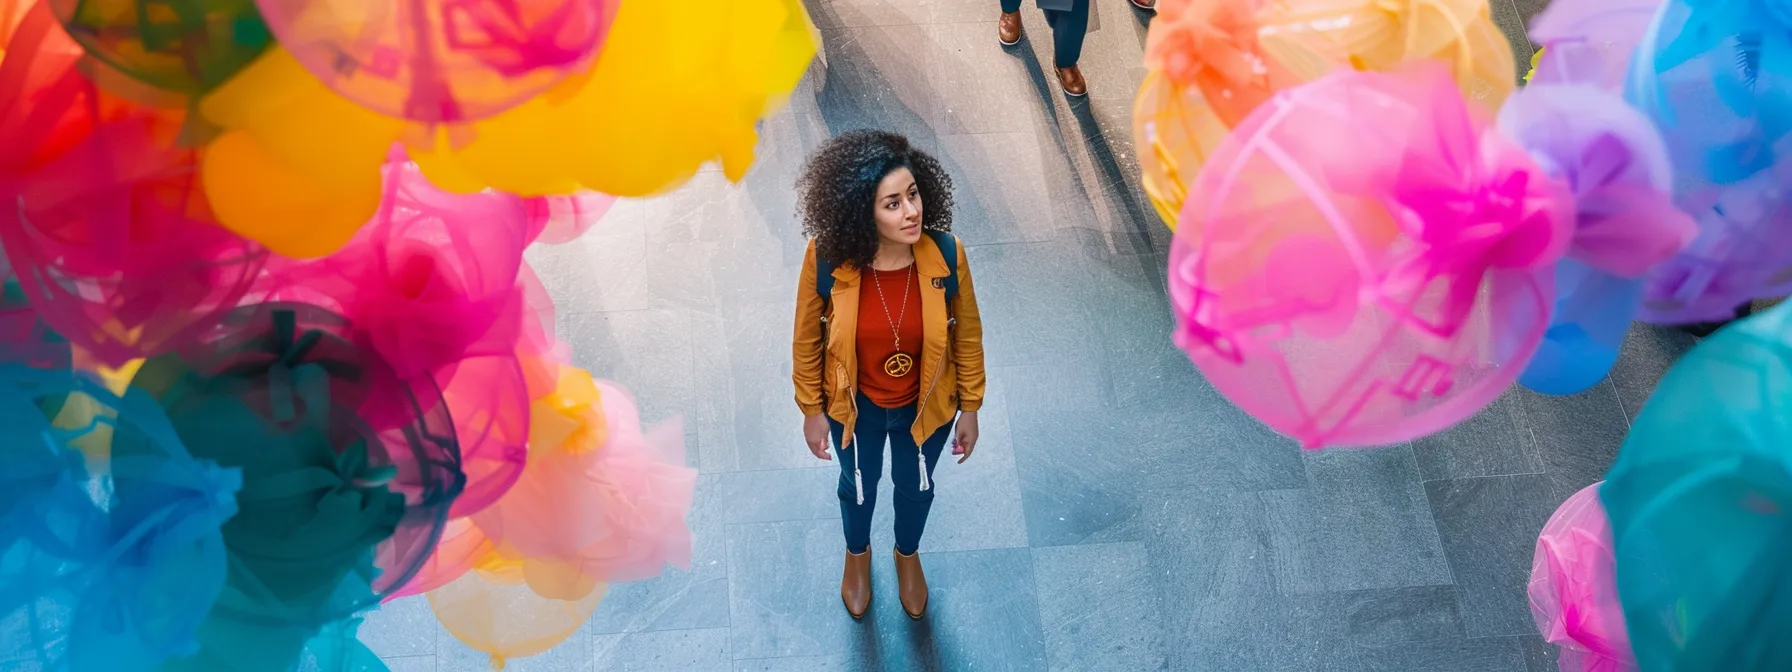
(898, 208)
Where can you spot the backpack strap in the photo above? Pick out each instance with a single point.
(824, 284)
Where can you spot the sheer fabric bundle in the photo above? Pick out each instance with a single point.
(601, 501)
(182, 46)
(109, 574)
(493, 609)
(437, 61)
(1716, 78)
(1625, 223)
(680, 84)
(1573, 589)
(1700, 502)
(1590, 41)
(1379, 36)
(433, 285)
(348, 475)
(106, 227)
(294, 167)
(1208, 67)
(1371, 263)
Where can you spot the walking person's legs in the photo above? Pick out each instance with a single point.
(1008, 26)
(1068, 29)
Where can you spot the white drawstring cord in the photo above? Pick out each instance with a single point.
(858, 480)
(922, 455)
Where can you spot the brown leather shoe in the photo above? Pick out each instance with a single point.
(855, 584)
(1008, 29)
(911, 584)
(1072, 80)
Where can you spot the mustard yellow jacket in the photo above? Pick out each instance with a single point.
(951, 356)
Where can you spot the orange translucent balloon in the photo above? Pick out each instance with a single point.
(1208, 67)
(298, 166)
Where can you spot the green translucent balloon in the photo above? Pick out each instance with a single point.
(183, 46)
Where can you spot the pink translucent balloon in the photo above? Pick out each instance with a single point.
(1363, 261)
(441, 60)
(462, 545)
(432, 279)
(564, 218)
(105, 223)
(611, 512)
(1574, 592)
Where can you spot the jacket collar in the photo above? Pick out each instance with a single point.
(930, 262)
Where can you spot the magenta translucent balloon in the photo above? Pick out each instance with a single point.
(441, 60)
(432, 285)
(1363, 261)
(431, 280)
(1590, 41)
(105, 222)
(1574, 591)
(489, 400)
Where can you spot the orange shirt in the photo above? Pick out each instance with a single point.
(877, 340)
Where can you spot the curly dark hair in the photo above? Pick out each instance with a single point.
(837, 191)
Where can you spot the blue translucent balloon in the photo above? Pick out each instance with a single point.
(1700, 500)
(1592, 313)
(113, 572)
(1716, 77)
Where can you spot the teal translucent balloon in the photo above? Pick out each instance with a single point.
(1700, 500)
(347, 475)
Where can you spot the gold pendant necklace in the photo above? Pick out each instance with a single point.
(900, 364)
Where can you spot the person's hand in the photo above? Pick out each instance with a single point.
(966, 441)
(815, 433)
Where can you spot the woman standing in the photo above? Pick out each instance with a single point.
(888, 344)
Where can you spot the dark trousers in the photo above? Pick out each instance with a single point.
(914, 493)
(1067, 30)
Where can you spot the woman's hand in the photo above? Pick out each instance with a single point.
(966, 441)
(815, 433)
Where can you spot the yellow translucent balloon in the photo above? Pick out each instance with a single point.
(1381, 35)
(297, 167)
(493, 609)
(679, 84)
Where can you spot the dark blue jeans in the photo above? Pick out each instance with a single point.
(914, 491)
(1068, 29)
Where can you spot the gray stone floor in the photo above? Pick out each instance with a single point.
(1119, 514)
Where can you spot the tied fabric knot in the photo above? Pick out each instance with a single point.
(1504, 214)
(1213, 46)
(1617, 166)
(290, 350)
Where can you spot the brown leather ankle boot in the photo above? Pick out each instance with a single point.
(911, 584)
(855, 583)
